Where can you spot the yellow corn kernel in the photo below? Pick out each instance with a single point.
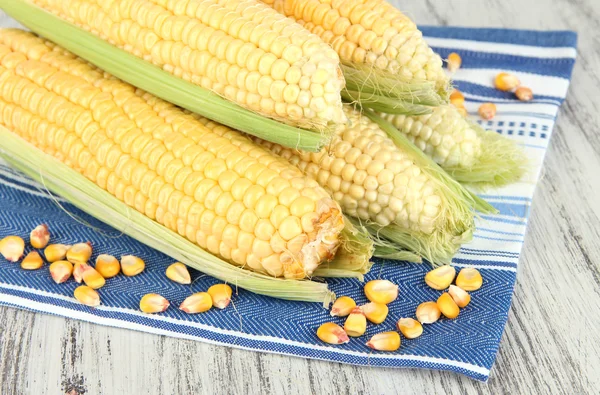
(107, 265)
(454, 62)
(78, 272)
(61, 271)
(506, 82)
(356, 323)
(87, 296)
(342, 306)
(409, 327)
(79, 253)
(447, 306)
(462, 111)
(90, 276)
(487, 111)
(441, 277)
(12, 248)
(375, 312)
(56, 252)
(132, 265)
(179, 273)
(32, 261)
(153, 303)
(386, 341)
(197, 303)
(381, 291)
(469, 279)
(460, 296)
(221, 295)
(457, 98)
(428, 313)
(39, 237)
(332, 333)
(524, 94)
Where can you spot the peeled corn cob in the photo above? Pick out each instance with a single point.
(387, 186)
(368, 36)
(469, 153)
(179, 169)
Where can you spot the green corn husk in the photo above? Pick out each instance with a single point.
(150, 78)
(440, 246)
(87, 196)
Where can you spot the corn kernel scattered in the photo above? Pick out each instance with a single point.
(506, 82)
(87, 296)
(179, 273)
(153, 303)
(410, 328)
(132, 265)
(342, 306)
(447, 306)
(56, 252)
(428, 312)
(454, 62)
(78, 272)
(332, 333)
(460, 296)
(487, 111)
(79, 253)
(39, 237)
(469, 279)
(375, 312)
(441, 277)
(91, 277)
(12, 248)
(61, 271)
(356, 323)
(386, 341)
(524, 94)
(221, 295)
(381, 291)
(32, 261)
(107, 265)
(457, 98)
(197, 303)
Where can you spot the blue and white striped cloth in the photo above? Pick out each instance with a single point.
(468, 345)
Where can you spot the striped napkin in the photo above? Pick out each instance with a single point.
(468, 345)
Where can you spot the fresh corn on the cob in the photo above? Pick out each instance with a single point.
(383, 184)
(177, 168)
(469, 153)
(239, 49)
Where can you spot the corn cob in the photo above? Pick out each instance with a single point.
(387, 185)
(369, 36)
(469, 153)
(195, 177)
(226, 55)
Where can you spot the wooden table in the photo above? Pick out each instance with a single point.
(551, 343)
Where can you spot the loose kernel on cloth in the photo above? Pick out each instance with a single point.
(107, 265)
(409, 327)
(469, 279)
(428, 312)
(197, 303)
(56, 252)
(61, 271)
(132, 265)
(332, 333)
(32, 261)
(460, 296)
(39, 237)
(524, 94)
(386, 341)
(441, 277)
(153, 303)
(12, 248)
(179, 273)
(87, 296)
(381, 291)
(506, 82)
(342, 306)
(356, 323)
(221, 295)
(454, 62)
(79, 253)
(447, 306)
(487, 111)
(375, 312)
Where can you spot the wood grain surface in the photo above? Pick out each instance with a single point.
(551, 344)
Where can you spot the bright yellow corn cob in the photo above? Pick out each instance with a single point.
(240, 49)
(381, 183)
(369, 32)
(199, 179)
(469, 153)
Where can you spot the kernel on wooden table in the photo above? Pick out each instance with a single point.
(375, 312)
(179, 273)
(356, 323)
(87, 296)
(107, 265)
(386, 341)
(428, 312)
(197, 303)
(56, 252)
(381, 291)
(32, 261)
(410, 328)
(39, 237)
(342, 306)
(12, 248)
(221, 295)
(447, 306)
(61, 271)
(469, 279)
(487, 111)
(153, 303)
(460, 296)
(441, 277)
(332, 333)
